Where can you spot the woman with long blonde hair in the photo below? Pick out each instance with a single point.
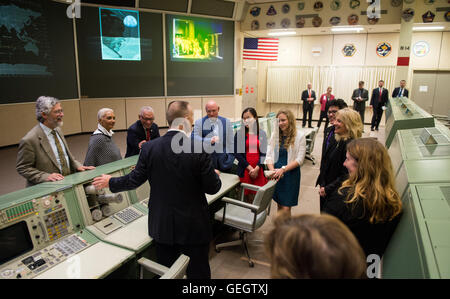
(367, 201)
(285, 153)
(347, 127)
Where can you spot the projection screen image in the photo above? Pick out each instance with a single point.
(194, 40)
(120, 36)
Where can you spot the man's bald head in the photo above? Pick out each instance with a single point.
(212, 109)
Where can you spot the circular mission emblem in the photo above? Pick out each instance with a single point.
(421, 48)
(349, 50)
(384, 49)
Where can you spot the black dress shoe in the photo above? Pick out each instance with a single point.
(372, 129)
(376, 129)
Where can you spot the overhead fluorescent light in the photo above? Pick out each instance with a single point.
(281, 33)
(346, 29)
(426, 28)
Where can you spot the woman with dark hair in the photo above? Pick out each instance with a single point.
(367, 202)
(250, 150)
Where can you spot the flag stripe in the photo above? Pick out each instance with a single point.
(261, 49)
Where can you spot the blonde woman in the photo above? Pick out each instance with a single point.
(285, 153)
(367, 201)
(347, 126)
(314, 246)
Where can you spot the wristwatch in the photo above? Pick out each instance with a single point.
(283, 167)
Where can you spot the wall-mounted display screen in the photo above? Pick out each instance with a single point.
(120, 35)
(120, 53)
(37, 54)
(196, 40)
(200, 56)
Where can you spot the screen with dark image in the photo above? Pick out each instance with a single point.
(200, 58)
(120, 53)
(15, 240)
(37, 51)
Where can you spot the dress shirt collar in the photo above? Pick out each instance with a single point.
(46, 129)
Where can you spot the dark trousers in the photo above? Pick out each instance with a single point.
(198, 267)
(361, 113)
(376, 118)
(308, 108)
(323, 114)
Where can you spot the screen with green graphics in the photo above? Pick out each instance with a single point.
(200, 56)
(196, 40)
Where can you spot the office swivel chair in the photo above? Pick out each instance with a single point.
(245, 216)
(176, 271)
(310, 140)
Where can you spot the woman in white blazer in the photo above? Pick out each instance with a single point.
(285, 154)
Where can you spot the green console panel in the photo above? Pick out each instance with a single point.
(402, 114)
(420, 246)
(420, 144)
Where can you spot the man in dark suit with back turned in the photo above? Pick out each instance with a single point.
(360, 97)
(400, 91)
(178, 219)
(308, 98)
(143, 130)
(380, 97)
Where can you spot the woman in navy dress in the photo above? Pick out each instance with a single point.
(285, 153)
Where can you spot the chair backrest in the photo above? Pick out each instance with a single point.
(178, 269)
(311, 140)
(264, 195)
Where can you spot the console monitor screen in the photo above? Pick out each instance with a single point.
(15, 240)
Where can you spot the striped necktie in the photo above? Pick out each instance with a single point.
(65, 170)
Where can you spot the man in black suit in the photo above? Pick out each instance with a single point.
(400, 91)
(308, 98)
(359, 97)
(380, 97)
(178, 218)
(143, 130)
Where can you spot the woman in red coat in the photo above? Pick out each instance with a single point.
(323, 100)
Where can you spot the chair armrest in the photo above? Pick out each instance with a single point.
(240, 203)
(152, 266)
(250, 186)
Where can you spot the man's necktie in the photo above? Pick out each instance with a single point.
(380, 93)
(65, 170)
(148, 134)
(400, 93)
(309, 93)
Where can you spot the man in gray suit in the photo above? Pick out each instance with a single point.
(43, 153)
(359, 97)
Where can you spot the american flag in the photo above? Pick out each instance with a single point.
(261, 49)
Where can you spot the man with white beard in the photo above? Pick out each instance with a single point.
(43, 154)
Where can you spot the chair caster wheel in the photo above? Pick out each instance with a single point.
(251, 264)
(217, 250)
